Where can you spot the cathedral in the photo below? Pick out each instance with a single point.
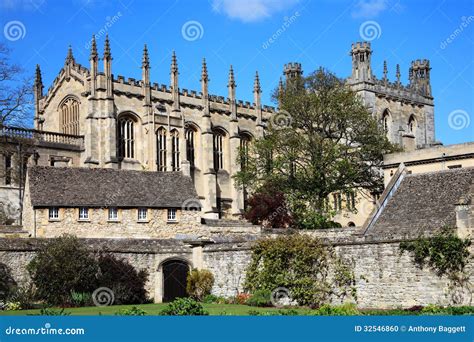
(91, 118)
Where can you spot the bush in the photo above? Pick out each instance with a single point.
(184, 307)
(301, 264)
(133, 311)
(12, 306)
(127, 284)
(81, 298)
(24, 295)
(260, 298)
(347, 309)
(199, 283)
(61, 266)
(241, 298)
(212, 299)
(7, 283)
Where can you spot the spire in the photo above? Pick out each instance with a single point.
(70, 56)
(204, 75)
(398, 74)
(174, 63)
(145, 59)
(385, 70)
(93, 54)
(107, 54)
(231, 78)
(256, 84)
(38, 79)
(280, 87)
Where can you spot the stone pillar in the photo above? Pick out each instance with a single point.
(92, 127)
(109, 129)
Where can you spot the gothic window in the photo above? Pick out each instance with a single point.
(218, 148)
(126, 138)
(190, 152)
(386, 121)
(8, 169)
(337, 201)
(69, 117)
(175, 150)
(244, 149)
(350, 201)
(412, 125)
(161, 149)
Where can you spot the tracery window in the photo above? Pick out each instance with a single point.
(161, 149)
(69, 117)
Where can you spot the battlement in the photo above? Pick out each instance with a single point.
(360, 47)
(420, 64)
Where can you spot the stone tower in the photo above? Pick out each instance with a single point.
(361, 53)
(420, 76)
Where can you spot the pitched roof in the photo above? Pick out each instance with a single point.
(424, 202)
(98, 187)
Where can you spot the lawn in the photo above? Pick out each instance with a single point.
(154, 309)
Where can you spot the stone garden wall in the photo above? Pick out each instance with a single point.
(385, 277)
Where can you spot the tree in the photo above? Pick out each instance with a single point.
(61, 266)
(322, 141)
(16, 92)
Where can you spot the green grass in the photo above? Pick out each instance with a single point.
(153, 309)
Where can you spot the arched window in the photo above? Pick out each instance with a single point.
(126, 137)
(386, 121)
(69, 116)
(175, 150)
(244, 149)
(412, 125)
(161, 149)
(190, 140)
(218, 148)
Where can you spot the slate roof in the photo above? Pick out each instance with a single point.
(424, 202)
(98, 187)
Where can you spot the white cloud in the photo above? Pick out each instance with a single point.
(369, 8)
(251, 10)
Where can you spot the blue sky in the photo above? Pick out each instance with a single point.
(316, 33)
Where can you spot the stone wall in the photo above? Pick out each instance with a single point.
(385, 277)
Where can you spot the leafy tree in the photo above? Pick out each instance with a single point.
(60, 267)
(311, 271)
(199, 283)
(324, 140)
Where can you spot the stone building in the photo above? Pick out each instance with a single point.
(93, 118)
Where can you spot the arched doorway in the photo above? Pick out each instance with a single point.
(175, 273)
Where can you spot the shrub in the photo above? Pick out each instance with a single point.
(24, 295)
(7, 283)
(12, 306)
(260, 298)
(184, 307)
(53, 312)
(347, 309)
(302, 265)
(81, 298)
(61, 266)
(242, 298)
(212, 299)
(133, 311)
(127, 284)
(199, 283)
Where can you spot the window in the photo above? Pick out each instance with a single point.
(142, 214)
(337, 201)
(457, 166)
(386, 121)
(69, 116)
(53, 214)
(126, 138)
(84, 213)
(113, 214)
(412, 125)
(172, 215)
(161, 149)
(350, 200)
(218, 150)
(175, 150)
(8, 170)
(190, 146)
(244, 148)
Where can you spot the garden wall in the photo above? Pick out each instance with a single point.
(385, 277)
